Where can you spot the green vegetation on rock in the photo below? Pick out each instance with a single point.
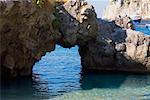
(39, 2)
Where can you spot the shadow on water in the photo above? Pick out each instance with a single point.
(37, 89)
(114, 81)
(18, 89)
(90, 81)
(58, 73)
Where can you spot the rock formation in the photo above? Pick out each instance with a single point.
(127, 7)
(27, 31)
(116, 49)
(124, 22)
(26, 34)
(78, 22)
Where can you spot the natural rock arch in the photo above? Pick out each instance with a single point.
(28, 32)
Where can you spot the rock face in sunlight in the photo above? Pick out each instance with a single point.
(124, 22)
(129, 7)
(78, 22)
(28, 31)
(116, 49)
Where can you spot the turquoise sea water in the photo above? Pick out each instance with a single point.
(58, 76)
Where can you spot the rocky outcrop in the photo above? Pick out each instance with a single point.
(116, 49)
(78, 22)
(124, 22)
(27, 31)
(127, 7)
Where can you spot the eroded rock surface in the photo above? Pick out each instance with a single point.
(27, 32)
(127, 7)
(116, 49)
(78, 22)
(124, 22)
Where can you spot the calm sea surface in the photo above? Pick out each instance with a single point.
(142, 27)
(57, 76)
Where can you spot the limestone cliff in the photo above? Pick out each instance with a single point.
(127, 7)
(28, 31)
(78, 22)
(116, 49)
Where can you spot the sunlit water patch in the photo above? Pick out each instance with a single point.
(111, 87)
(142, 27)
(58, 72)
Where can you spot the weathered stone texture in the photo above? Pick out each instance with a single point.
(116, 49)
(26, 34)
(127, 7)
(27, 31)
(78, 22)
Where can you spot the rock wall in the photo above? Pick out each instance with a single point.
(27, 31)
(116, 49)
(78, 22)
(124, 22)
(127, 7)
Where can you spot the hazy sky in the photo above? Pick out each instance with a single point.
(99, 6)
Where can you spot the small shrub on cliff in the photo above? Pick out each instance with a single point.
(39, 3)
